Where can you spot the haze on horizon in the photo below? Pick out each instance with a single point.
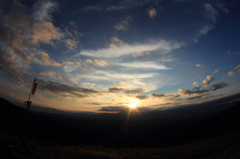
(104, 56)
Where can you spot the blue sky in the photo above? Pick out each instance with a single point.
(108, 55)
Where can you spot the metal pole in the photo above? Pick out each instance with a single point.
(29, 95)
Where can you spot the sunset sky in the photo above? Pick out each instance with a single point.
(104, 56)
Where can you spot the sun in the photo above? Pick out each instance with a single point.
(132, 105)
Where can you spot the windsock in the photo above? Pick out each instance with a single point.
(34, 86)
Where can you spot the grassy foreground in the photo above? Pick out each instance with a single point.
(227, 146)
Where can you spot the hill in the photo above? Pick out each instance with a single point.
(89, 136)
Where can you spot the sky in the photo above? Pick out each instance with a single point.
(108, 55)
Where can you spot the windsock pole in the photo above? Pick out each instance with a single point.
(28, 104)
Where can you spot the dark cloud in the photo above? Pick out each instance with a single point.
(116, 89)
(157, 95)
(195, 92)
(123, 90)
(193, 98)
(217, 86)
(134, 91)
(112, 108)
(141, 97)
(56, 87)
(94, 103)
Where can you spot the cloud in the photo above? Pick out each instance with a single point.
(231, 73)
(11, 67)
(120, 26)
(144, 65)
(88, 61)
(100, 62)
(71, 44)
(47, 73)
(112, 74)
(46, 60)
(215, 71)
(17, 18)
(134, 91)
(97, 62)
(217, 86)
(157, 95)
(118, 48)
(28, 58)
(210, 12)
(152, 12)
(112, 108)
(43, 9)
(56, 87)
(45, 32)
(208, 79)
(195, 84)
(237, 68)
(197, 92)
(70, 66)
(123, 25)
(222, 6)
(198, 65)
(51, 74)
(71, 63)
(116, 89)
(141, 97)
(73, 81)
(22, 30)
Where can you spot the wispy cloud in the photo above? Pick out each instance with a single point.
(161, 46)
(215, 71)
(46, 60)
(71, 44)
(113, 75)
(73, 81)
(237, 68)
(43, 10)
(144, 65)
(124, 24)
(210, 12)
(100, 62)
(47, 73)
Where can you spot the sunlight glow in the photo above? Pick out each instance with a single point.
(132, 105)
